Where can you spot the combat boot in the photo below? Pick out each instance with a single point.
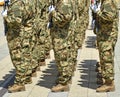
(107, 87)
(60, 88)
(16, 88)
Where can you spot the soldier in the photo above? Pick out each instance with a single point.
(86, 16)
(20, 38)
(42, 39)
(61, 17)
(79, 38)
(108, 32)
(43, 36)
(81, 22)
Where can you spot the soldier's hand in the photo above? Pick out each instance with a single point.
(4, 13)
(51, 8)
(94, 8)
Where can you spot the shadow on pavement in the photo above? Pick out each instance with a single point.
(87, 67)
(8, 80)
(49, 76)
(88, 74)
(90, 43)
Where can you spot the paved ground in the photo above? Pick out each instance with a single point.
(83, 82)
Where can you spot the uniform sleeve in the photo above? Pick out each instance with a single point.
(15, 14)
(63, 15)
(108, 11)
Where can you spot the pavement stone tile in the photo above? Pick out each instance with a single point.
(39, 91)
(6, 94)
(92, 68)
(117, 67)
(58, 94)
(97, 95)
(2, 40)
(19, 94)
(92, 87)
(113, 94)
(92, 77)
(79, 92)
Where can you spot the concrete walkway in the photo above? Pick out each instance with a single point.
(83, 82)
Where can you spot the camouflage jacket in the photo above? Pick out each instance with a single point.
(63, 13)
(107, 18)
(21, 13)
(108, 10)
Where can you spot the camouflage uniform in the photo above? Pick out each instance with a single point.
(108, 37)
(82, 21)
(21, 37)
(73, 38)
(86, 14)
(79, 23)
(85, 19)
(43, 45)
(108, 32)
(40, 34)
(63, 39)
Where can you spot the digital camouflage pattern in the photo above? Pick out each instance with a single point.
(81, 21)
(107, 37)
(21, 37)
(63, 39)
(39, 26)
(43, 45)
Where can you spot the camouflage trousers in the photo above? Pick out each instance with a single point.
(65, 55)
(43, 45)
(106, 54)
(48, 44)
(20, 47)
(81, 26)
(79, 33)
